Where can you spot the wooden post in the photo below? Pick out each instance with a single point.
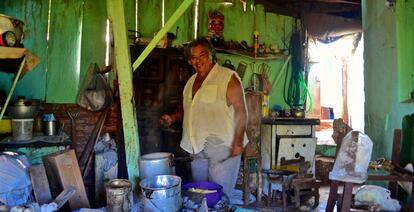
(16, 78)
(123, 66)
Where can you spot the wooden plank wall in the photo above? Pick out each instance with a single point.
(77, 38)
(34, 14)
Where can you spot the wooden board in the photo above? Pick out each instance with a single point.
(40, 184)
(63, 172)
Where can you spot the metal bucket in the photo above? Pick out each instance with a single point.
(158, 163)
(162, 193)
(119, 195)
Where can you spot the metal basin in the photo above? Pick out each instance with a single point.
(162, 192)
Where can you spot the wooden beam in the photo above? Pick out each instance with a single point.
(177, 14)
(123, 66)
(297, 8)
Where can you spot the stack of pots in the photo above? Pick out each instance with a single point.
(23, 112)
(160, 187)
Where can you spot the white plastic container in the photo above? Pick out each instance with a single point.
(22, 129)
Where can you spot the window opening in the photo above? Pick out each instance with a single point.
(336, 84)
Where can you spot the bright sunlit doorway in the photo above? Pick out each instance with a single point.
(336, 84)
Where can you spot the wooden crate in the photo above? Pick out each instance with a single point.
(62, 170)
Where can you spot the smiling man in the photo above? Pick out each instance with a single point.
(214, 118)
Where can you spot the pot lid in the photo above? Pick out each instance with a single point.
(156, 156)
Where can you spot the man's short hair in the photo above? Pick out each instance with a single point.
(203, 42)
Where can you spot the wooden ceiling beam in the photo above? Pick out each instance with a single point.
(296, 8)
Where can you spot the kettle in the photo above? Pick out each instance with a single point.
(227, 64)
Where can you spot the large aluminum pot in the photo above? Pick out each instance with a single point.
(158, 163)
(24, 109)
(162, 193)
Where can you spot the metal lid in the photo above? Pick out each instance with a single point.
(156, 156)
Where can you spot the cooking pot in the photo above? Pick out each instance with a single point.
(24, 109)
(298, 113)
(158, 163)
(227, 64)
(162, 193)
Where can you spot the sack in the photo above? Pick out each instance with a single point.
(95, 94)
(373, 195)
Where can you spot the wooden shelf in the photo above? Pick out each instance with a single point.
(250, 55)
(12, 57)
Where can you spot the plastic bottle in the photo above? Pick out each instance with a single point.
(265, 105)
(255, 42)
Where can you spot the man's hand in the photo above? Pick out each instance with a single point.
(237, 150)
(166, 120)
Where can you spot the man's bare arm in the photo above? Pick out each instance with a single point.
(235, 97)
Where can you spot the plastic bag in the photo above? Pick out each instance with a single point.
(15, 184)
(95, 94)
(351, 163)
(376, 196)
(107, 148)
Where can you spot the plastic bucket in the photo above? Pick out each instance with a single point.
(119, 195)
(22, 129)
(162, 193)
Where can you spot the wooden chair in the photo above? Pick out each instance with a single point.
(397, 173)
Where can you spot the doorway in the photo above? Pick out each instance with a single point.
(336, 84)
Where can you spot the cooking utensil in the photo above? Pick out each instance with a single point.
(162, 192)
(72, 126)
(158, 163)
(298, 113)
(24, 109)
(227, 64)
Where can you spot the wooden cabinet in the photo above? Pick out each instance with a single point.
(158, 86)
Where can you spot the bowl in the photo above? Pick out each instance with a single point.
(212, 198)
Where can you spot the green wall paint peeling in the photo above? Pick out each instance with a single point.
(405, 43)
(64, 52)
(34, 14)
(77, 39)
(149, 17)
(381, 76)
(93, 35)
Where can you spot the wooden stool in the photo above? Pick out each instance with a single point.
(285, 180)
(344, 203)
(306, 187)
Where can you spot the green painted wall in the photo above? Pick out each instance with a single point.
(63, 65)
(383, 109)
(34, 14)
(77, 39)
(405, 44)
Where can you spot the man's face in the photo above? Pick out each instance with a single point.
(200, 59)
